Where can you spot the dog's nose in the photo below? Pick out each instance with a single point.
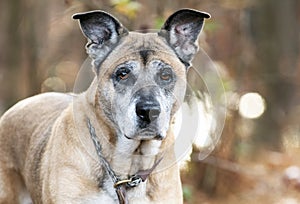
(147, 112)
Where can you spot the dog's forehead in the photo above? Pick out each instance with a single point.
(142, 47)
(145, 41)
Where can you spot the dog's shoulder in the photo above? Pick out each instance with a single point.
(38, 111)
(30, 121)
(38, 105)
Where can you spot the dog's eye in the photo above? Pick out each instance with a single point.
(166, 74)
(122, 73)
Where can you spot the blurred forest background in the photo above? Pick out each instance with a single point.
(256, 46)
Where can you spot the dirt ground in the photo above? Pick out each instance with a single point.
(272, 179)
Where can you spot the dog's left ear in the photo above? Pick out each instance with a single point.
(103, 32)
(181, 30)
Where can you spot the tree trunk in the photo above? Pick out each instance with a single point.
(275, 34)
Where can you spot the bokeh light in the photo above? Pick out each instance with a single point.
(252, 105)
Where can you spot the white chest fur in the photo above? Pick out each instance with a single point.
(135, 195)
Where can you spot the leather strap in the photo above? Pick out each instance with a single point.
(121, 192)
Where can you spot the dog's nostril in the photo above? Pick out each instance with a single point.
(147, 112)
(154, 113)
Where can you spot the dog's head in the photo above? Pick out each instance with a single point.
(141, 77)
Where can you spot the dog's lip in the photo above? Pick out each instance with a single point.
(128, 137)
(154, 137)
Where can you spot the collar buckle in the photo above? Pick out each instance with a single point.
(135, 180)
(132, 182)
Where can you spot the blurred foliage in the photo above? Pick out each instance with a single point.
(128, 8)
(159, 22)
(187, 193)
(211, 26)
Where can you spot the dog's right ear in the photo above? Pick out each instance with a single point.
(103, 32)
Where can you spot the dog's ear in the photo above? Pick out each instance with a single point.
(181, 30)
(103, 32)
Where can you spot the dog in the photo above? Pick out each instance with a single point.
(112, 143)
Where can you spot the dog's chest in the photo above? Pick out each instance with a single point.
(108, 194)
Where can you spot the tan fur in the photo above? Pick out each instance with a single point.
(67, 169)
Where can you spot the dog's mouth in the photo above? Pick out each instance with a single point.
(147, 136)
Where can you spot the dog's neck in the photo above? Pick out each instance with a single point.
(131, 156)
